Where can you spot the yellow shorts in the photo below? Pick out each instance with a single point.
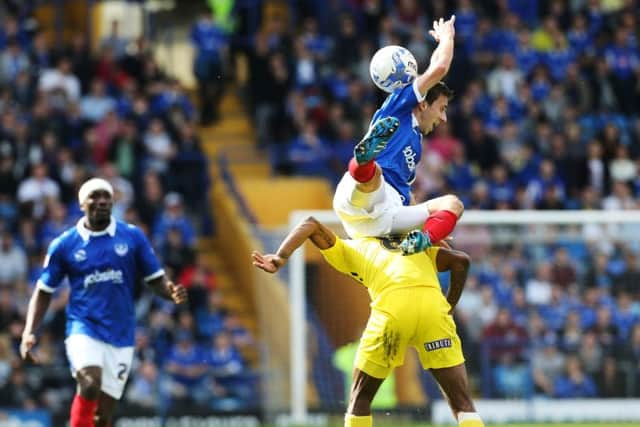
(414, 316)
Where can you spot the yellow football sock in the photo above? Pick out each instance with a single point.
(355, 421)
(469, 419)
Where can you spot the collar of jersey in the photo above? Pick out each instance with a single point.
(414, 122)
(85, 233)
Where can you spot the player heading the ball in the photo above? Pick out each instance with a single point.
(374, 197)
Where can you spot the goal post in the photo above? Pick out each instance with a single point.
(522, 221)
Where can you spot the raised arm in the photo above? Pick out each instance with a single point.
(321, 236)
(457, 263)
(444, 33)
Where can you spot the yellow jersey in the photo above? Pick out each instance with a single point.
(380, 267)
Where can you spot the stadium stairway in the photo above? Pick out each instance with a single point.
(234, 130)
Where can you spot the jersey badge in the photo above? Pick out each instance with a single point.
(80, 255)
(121, 248)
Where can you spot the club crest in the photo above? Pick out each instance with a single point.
(80, 255)
(121, 248)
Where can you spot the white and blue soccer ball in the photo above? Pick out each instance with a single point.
(393, 67)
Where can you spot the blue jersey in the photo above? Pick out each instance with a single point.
(103, 269)
(403, 151)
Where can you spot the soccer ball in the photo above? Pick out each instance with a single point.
(393, 67)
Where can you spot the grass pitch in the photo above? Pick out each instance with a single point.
(383, 423)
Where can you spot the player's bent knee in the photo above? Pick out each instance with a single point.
(455, 205)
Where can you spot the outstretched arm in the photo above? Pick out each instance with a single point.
(321, 236)
(457, 263)
(444, 33)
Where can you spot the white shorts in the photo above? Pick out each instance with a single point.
(375, 214)
(84, 351)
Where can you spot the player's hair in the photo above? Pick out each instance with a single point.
(440, 89)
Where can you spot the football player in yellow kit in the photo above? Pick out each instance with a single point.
(408, 308)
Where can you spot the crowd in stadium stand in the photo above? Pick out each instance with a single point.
(66, 114)
(546, 116)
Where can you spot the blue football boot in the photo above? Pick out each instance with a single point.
(415, 242)
(375, 140)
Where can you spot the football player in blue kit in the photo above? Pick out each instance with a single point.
(103, 260)
(373, 198)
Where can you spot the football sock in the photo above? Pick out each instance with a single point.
(82, 412)
(469, 419)
(355, 421)
(364, 172)
(439, 225)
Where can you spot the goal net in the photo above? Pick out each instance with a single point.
(555, 274)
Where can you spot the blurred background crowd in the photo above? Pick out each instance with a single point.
(546, 116)
(68, 113)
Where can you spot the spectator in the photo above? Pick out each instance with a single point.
(627, 280)
(612, 380)
(160, 149)
(606, 332)
(504, 80)
(211, 45)
(18, 393)
(538, 289)
(56, 223)
(309, 153)
(624, 317)
(13, 261)
(574, 383)
(144, 390)
(563, 273)
(505, 338)
(548, 364)
(35, 191)
(60, 79)
(185, 368)
(240, 336)
(210, 317)
(115, 41)
(231, 386)
(571, 334)
(591, 353)
(13, 61)
(9, 315)
(7, 359)
(151, 202)
(176, 255)
(95, 105)
(173, 216)
(126, 150)
(189, 169)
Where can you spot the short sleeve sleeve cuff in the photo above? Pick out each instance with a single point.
(155, 275)
(416, 91)
(44, 287)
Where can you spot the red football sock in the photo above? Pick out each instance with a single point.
(440, 224)
(364, 172)
(82, 412)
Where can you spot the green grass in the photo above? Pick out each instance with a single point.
(382, 423)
